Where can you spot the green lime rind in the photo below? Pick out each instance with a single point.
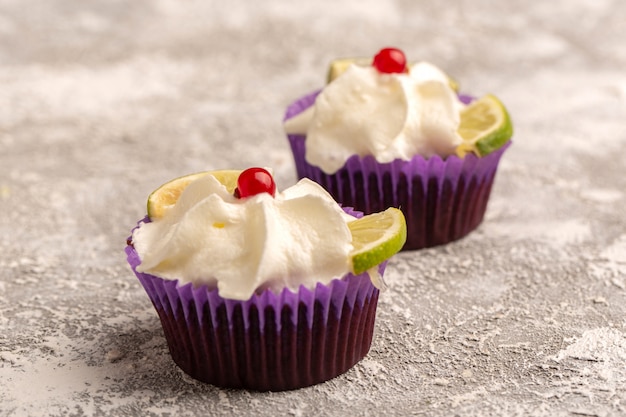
(391, 244)
(164, 197)
(339, 65)
(485, 126)
(167, 194)
(496, 139)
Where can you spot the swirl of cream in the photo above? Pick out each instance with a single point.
(300, 237)
(390, 116)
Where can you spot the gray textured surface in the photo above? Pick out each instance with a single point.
(102, 101)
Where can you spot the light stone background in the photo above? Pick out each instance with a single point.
(102, 101)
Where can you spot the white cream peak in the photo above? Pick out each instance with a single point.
(241, 246)
(389, 116)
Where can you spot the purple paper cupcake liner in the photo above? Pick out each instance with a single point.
(442, 199)
(271, 342)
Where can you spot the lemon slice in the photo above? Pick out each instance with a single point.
(340, 65)
(165, 197)
(485, 126)
(376, 238)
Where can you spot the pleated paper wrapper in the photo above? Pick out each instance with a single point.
(271, 342)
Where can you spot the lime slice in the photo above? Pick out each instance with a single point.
(165, 197)
(338, 66)
(376, 238)
(485, 126)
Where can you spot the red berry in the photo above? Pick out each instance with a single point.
(254, 181)
(390, 60)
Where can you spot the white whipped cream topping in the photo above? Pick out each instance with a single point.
(300, 237)
(390, 116)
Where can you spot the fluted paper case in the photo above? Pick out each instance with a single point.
(271, 342)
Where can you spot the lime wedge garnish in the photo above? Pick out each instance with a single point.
(485, 126)
(339, 65)
(166, 196)
(376, 238)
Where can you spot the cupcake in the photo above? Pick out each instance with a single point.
(261, 289)
(382, 134)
